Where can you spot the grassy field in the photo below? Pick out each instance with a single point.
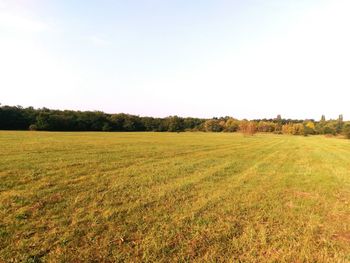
(132, 197)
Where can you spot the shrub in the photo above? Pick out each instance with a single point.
(298, 129)
(287, 128)
(329, 130)
(212, 126)
(265, 126)
(346, 131)
(33, 127)
(106, 127)
(294, 129)
(248, 127)
(309, 128)
(231, 125)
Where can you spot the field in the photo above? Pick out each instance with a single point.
(165, 197)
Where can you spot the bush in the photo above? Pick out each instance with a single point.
(346, 131)
(329, 130)
(298, 129)
(33, 127)
(212, 126)
(248, 127)
(106, 127)
(231, 125)
(293, 128)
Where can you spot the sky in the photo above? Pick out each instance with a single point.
(200, 58)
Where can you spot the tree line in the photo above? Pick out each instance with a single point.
(19, 118)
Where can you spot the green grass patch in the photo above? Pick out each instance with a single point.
(146, 197)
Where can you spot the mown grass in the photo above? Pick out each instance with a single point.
(167, 197)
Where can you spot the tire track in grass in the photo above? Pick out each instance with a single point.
(232, 198)
(334, 167)
(163, 176)
(316, 244)
(87, 208)
(191, 179)
(210, 203)
(258, 191)
(85, 167)
(176, 197)
(70, 192)
(151, 197)
(338, 168)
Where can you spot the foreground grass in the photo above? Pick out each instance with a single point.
(85, 197)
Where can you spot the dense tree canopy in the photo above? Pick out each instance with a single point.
(19, 118)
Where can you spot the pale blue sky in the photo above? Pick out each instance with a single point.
(247, 59)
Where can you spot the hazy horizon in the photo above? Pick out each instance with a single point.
(252, 59)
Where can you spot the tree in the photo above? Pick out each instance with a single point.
(340, 124)
(298, 129)
(19, 118)
(106, 127)
(279, 123)
(212, 125)
(14, 118)
(309, 128)
(192, 123)
(321, 125)
(117, 121)
(248, 127)
(329, 129)
(266, 126)
(175, 124)
(346, 130)
(43, 122)
(287, 128)
(293, 128)
(150, 124)
(231, 125)
(129, 124)
(310, 125)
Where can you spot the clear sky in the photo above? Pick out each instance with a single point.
(201, 58)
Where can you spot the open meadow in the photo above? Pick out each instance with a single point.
(173, 197)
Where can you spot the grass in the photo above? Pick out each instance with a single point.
(131, 197)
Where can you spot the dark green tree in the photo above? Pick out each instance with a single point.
(175, 124)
